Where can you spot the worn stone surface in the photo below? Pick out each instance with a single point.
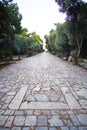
(41, 97)
(43, 92)
(42, 121)
(18, 99)
(73, 104)
(9, 121)
(4, 128)
(30, 98)
(18, 112)
(19, 121)
(83, 128)
(55, 121)
(82, 118)
(30, 121)
(75, 120)
(64, 128)
(16, 128)
(2, 120)
(26, 128)
(74, 128)
(9, 112)
(41, 128)
(52, 128)
(45, 105)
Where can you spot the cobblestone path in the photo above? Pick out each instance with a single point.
(43, 93)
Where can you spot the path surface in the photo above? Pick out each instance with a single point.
(43, 93)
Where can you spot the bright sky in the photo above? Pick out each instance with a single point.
(39, 15)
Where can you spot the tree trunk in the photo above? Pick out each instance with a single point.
(19, 57)
(79, 45)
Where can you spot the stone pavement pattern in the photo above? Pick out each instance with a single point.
(43, 93)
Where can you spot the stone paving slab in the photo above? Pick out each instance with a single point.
(44, 105)
(43, 92)
(16, 102)
(73, 104)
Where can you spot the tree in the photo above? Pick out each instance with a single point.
(10, 24)
(77, 27)
(10, 19)
(50, 41)
(69, 7)
(57, 40)
(27, 43)
(46, 37)
(36, 37)
(14, 38)
(61, 41)
(24, 32)
(76, 11)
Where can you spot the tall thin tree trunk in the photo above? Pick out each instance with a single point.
(79, 44)
(19, 57)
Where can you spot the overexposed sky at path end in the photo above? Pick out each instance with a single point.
(39, 15)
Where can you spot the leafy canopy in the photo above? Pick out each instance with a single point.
(10, 19)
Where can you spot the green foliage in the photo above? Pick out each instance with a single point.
(10, 20)
(70, 7)
(57, 40)
(61, 37)
(69, 36)
(50, 41)
(74, 54)
(2, 53)
(14, 38)
(5, 55)
(30, 53)
(28, 44)
(76, 15)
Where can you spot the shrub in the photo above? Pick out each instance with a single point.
(8, 55)
(30, 53)
(5, 55)
(2, 55)
(74, 55)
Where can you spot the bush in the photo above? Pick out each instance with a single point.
(5, 55)
(30, 53)
(74, 55)
(2, 55)
(8, 55)
(53, 52)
